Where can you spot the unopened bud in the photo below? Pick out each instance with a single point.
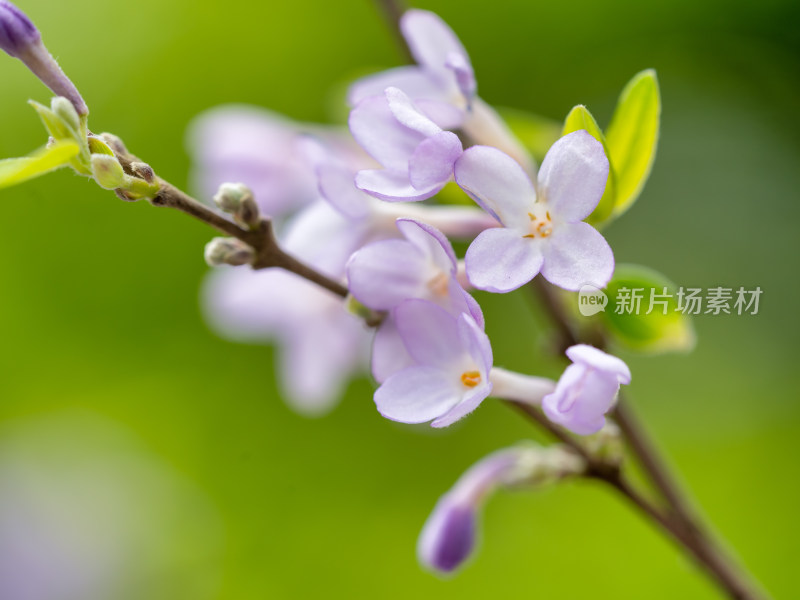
(20, 38)
(228, 251)
(143, 171)
(237, 199)
(66, 112)
(113, 142)
(107, 172)
(606, 444)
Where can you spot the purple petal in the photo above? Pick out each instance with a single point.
(573, 176)
(17, 32)
(432, 162)
(389, 354)
(383, 274)
(497, 183)
(501, 260)
(469, 402)
(465, 76)
(602, 361)
(582, 397)
(393, 186)
(430, 39)
(576, 254)
(416, 395)
(430, 334)
(477, 343)
(431, 241)
(441, 112)
(448, 537)
(413, 80)
(381, 135)
(409, 115)
(337, 185)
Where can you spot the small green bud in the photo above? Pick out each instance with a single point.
(228, 251)
(113, 142)
(107, 172)
(606, 444)
(64, 109)
(237, 199)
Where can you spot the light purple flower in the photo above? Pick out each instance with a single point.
(450, 375)
(449, 535)
(587, 390)
(543, 228)
(263, 150)
(20, 39)
(383, 274)
(417, 155)
(442, 83)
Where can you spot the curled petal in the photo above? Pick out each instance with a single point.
(576, 254)
(573, 176)
(602, 361)
(393, 186)
(582, 397)
(477, 343)
(413, 80)
(431, 241)
(431, 164)
(381, 135)
(409, 115)
(417, 394)
(497, 183)
(501, 260)
(468, 402)
(430, 39)
(465, 76)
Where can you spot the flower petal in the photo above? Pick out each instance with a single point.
(497, 183)
(431, 241)
(576, 254)
(573, 176)
(337, 185)
(409, 115)
(593, 357)
(389, 354)
(582, 397)
(417, 395)
(413, 80)
(469, 402)
(501, 260)
(432, 161)
(392, 185)
(430, 333)
(383, 274)
(445, 114)
(465, 76)
(477, 343)
(381, 135)
(430, 39)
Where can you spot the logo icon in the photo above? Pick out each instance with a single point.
(591, 300)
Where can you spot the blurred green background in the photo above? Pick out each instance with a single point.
(105, 361)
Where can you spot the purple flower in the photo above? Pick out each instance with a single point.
(587, 390)
(417, 155)
(449, 535)
(450, 375)
(543, 228)
(442, 84)
(20, 39)
(263, 150)
(383, 274)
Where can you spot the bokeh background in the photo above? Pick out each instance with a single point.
(146, 456)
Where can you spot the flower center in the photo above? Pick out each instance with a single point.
(541, 224)
(470, 378)
(438, 284)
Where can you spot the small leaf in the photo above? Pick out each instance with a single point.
(580, 118)
(536, 133)
(54, 124)
(632, 137)
(98, 146)
(665, 329)
(17, 170)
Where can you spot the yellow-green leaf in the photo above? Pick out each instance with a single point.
(632, 137)
(580, 118)
(632, 293)
(17, 170)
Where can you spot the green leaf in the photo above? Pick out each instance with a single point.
(580, 118)
(536, 133)
(54, 124)
(665, 329)
(17, 170)
(632, 137)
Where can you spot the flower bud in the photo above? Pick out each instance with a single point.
(20, 39)
(228, 251)
(66, 112)
(17, 33)
(143, 171)
(107, 172)
(238, 200)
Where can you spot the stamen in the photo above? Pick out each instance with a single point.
(470, 378)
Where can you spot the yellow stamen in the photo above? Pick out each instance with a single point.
(470, 378)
